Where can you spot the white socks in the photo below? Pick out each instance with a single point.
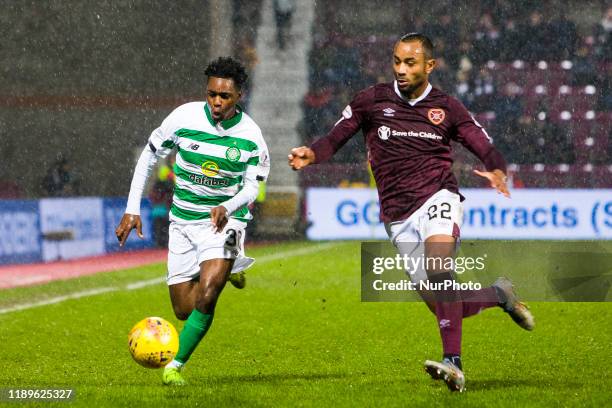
(175, 364)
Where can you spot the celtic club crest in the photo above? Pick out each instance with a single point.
(232, 154)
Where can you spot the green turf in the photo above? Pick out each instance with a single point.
(298, 335)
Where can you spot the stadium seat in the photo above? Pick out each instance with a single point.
(504, 72)
(602, 176)
(564, 176)
(548, 92)
(486, 119)
(573, 100)
(590, 138)
(10, 190)
(332, 174)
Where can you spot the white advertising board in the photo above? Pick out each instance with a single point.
(82, 217)
(337, 213)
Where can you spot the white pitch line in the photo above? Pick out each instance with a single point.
(155, 281)
(58, 299)
(142, 284)
(295, 252)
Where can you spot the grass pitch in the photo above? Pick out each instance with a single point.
(298, 335)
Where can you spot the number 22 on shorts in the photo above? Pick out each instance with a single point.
(443, 211)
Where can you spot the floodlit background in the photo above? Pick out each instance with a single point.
(82, 85)
(85, 82)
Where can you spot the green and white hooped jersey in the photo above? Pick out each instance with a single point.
(212, 159)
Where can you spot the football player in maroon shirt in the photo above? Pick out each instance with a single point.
(408, 126)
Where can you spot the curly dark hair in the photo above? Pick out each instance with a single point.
(228, 68)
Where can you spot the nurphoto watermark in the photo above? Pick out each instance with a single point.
(576, 271)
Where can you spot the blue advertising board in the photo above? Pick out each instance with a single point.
(20, 237)
(29, 229)
(113, 209)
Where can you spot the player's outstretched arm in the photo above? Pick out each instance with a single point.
(497, 178)
(131, 217)
(301, 157)
(126, 225)
(353, 116)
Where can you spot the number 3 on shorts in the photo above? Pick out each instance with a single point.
(233, 238)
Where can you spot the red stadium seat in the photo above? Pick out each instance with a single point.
(486, 119)
(10, 190)
(602, 176)
(531, 176)
(332, 174)
(590, 136)
(503, 72)
(529, 76)
(546, 87)
(565, 176)
(573, 99)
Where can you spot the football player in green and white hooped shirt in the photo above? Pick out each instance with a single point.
(221, 159)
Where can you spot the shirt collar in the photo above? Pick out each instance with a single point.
(227, 123)
(412, 102)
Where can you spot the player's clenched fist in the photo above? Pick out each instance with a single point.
(127, 224)
(301, 157)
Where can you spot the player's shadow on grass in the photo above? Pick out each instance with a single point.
(485, 385)
(275, 378)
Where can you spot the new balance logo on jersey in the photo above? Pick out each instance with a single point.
(193, 146)
(389, 112)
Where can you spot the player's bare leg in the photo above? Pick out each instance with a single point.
(183, 297)
(213, 277)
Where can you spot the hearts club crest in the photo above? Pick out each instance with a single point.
(436, 115)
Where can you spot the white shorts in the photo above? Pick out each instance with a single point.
(441, 214)
(191, 244)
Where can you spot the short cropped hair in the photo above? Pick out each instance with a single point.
(427, 44)
(228, 68)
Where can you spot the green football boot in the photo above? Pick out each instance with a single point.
(238, 279)
(172, 376)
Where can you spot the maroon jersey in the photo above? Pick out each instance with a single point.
(408, 144)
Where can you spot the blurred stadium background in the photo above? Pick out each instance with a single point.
(85, 82)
